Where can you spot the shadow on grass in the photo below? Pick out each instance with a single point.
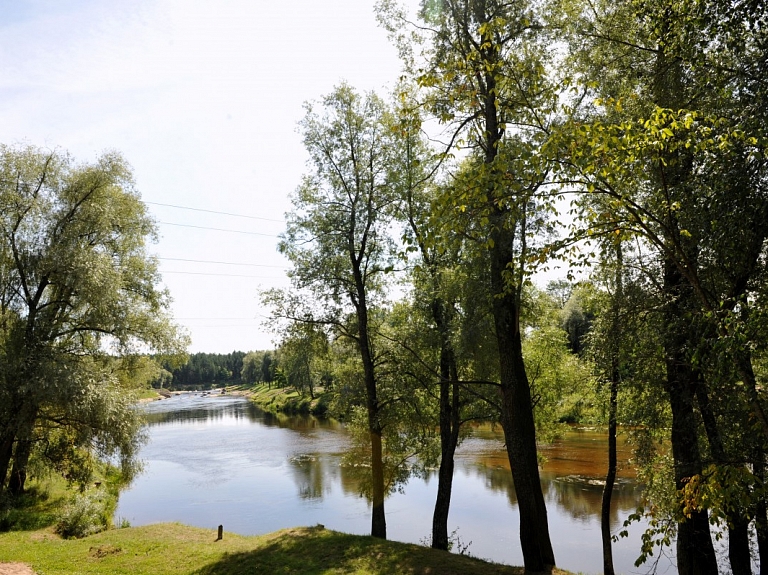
(32, 510)
(308, 551)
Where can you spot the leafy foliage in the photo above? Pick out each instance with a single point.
(78, 303)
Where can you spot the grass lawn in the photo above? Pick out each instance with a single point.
(175, 549)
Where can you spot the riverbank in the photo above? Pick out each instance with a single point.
(175, 549)
(31, 545)
(282, 400)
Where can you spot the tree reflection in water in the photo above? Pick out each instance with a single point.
(484, 458)
(218, 459)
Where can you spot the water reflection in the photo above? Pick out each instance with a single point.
(194, 408)
(305, 424)
(219, 460)
(198, 408)
(582, 499)
(313, 475)
(571, 476)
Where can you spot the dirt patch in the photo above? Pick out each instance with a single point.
(15, 569)
(44, 536)
(103, 551)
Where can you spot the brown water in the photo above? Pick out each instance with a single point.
(573, 474)
(219, 460)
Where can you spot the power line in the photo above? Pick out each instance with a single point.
(223, 263)
(214, 212)
(225, 275)
(217, 318)
(228, 326)
(218, 229)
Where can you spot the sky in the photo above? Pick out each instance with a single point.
(203, 98)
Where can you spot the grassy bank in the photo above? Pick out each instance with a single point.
(170, 549)
(177, 549)
(148, 395)
(282, 400)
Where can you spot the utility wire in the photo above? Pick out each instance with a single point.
(214, 212)
(225, 275)
(218, 318)
(218, 229)
(227, 326)
(223, 263)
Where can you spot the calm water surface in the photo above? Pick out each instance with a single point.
(219, 460)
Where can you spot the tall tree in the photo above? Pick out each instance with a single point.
(614, 377)
(677, 157)
(433, 266)
(301, 356)
(485, 75)
(78, 291)
(337, 240)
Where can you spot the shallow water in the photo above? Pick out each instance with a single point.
(219, 460)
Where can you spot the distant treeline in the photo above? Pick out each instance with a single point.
(211, 369)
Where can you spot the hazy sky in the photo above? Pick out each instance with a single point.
(203, 99)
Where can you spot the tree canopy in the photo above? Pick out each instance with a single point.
(629, 140)
(79, 299)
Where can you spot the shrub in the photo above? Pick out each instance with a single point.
(85, 514)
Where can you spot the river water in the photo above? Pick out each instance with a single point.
(218, 460)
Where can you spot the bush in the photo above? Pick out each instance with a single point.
(320, 408)
(85, 514)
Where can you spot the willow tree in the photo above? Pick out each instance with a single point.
(337, 240)
(79, 297)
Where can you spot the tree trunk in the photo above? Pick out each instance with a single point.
(738, 546)
(610, 478)
(6, 452)
(448, 442)
(517, 409)
(449, 434)
(21, 453)
(520, 436)
(695, 552)
(517, 413)
(378, 519)
(18, 477)
(738, 525)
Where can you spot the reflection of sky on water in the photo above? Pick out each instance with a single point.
(218, 460)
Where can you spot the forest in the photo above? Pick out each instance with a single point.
(200, 370)
(622, 141)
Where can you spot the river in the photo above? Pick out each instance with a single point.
(218, 460)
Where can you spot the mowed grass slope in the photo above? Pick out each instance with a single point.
(175, 549)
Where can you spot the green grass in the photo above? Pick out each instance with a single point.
(147, 394)
(37, 508)
(169, 549)
(172, 548)
(283, 400)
